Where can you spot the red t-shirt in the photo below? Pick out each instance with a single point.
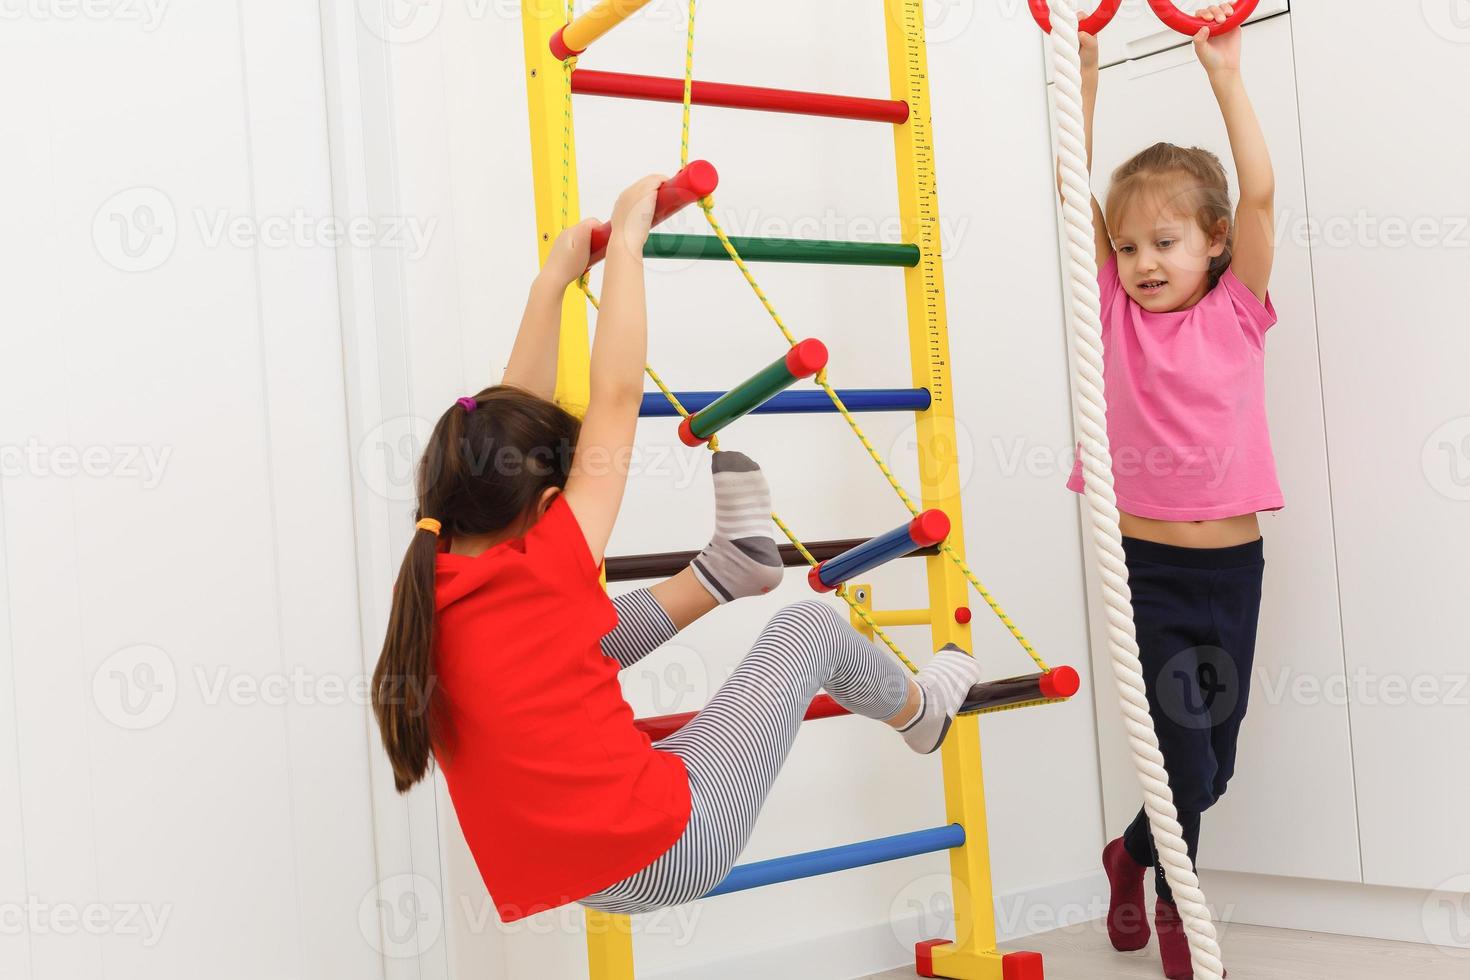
(559, 795)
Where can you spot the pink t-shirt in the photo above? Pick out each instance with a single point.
(1187, 404)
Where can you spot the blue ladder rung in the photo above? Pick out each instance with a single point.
(842, 858)
(655, 405)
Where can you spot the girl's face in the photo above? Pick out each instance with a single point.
(1164, 257)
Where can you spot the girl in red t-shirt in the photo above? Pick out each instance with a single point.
(503, 650)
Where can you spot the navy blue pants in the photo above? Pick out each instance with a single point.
(1196, 611)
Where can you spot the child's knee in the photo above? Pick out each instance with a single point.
(812, 615)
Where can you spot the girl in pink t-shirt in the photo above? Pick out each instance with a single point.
(1185, 312)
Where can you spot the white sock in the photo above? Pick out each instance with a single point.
(742, 559)
(943, 683)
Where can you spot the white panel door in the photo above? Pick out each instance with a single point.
(1289, 810)
(1136, 32)
(1384, 151)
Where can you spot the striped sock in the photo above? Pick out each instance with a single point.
(742, 559)
(943, 684)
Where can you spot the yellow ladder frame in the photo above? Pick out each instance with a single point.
(974, 956)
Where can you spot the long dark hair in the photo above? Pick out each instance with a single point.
(1189, 180)
(482, 471)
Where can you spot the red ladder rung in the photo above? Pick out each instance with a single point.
(654, 89)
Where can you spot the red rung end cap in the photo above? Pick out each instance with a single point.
(806, 358)
(962, 615)
(1060, 682)
(929, 528)
(814, 579)
(686, 433)
(924, 956)
(699, 178)
(559, 46)
(1022, 966)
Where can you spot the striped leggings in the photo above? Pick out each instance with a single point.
(734, 748)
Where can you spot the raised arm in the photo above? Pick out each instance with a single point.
(532, 365)
(1255, 216)
(619, 351)
(1088, 48)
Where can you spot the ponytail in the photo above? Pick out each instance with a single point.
(480, 474)
(403, 682)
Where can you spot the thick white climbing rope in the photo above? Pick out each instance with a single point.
(1087, 383)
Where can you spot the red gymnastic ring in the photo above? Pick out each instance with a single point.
(1091, 24)
(1190, 24)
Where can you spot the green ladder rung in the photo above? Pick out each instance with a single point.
(782, 250)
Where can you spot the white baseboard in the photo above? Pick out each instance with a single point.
(876, 947)
(1343, 908)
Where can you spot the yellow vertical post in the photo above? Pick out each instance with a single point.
(554, 159)
(554, 170)
(973, 955)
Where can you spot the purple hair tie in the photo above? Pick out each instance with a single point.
(468, 404)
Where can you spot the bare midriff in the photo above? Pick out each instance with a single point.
(1226, 532)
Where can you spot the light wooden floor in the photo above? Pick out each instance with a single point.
(1251, 953)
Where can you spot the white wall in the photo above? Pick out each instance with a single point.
(456, 143)
(134, 786)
